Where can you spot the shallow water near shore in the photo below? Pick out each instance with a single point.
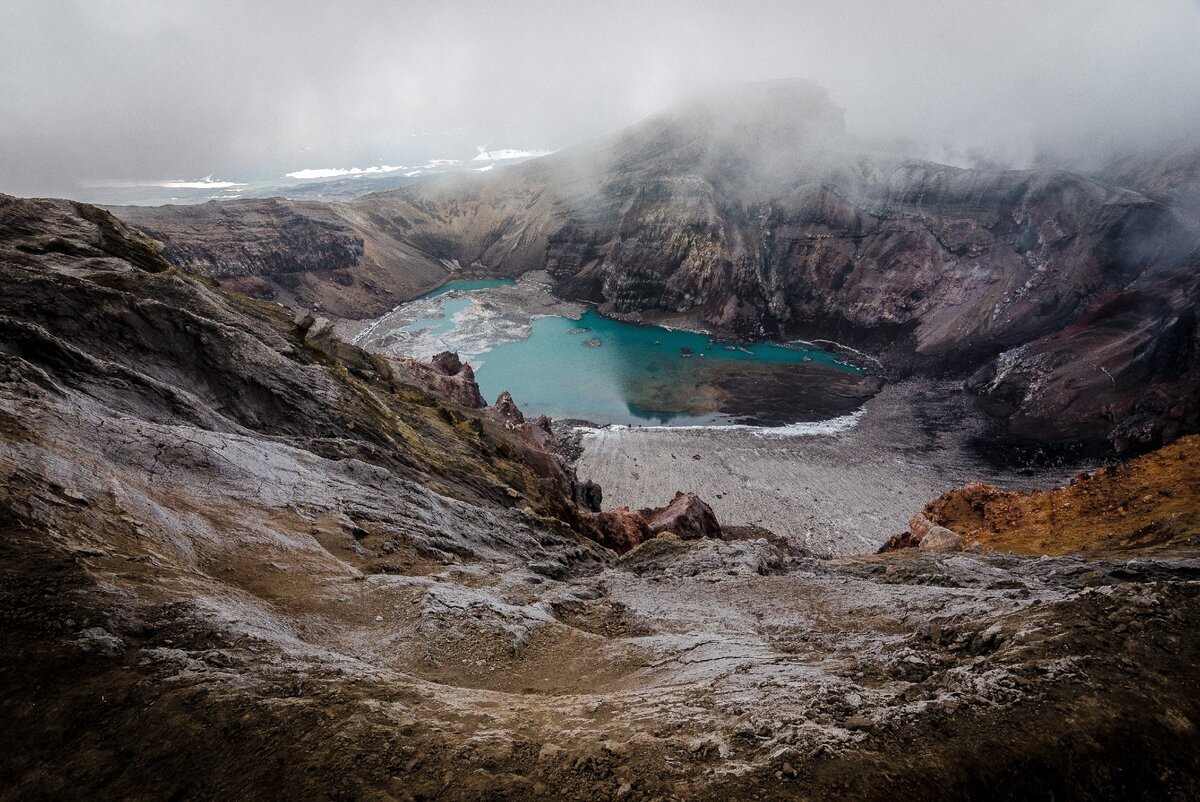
(581, 365)
(608, 371)
(469, 285)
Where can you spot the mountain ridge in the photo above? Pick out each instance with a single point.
(761, 218)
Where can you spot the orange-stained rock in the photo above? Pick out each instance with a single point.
(1151, 500)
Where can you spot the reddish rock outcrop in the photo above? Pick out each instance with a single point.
(687, 516)
(449, 377)
(507, 409)
(620, 529)
(1148, 502)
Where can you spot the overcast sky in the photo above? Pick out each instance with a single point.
(131, 90)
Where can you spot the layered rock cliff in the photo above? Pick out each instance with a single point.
(1126, 369)
(303, 254)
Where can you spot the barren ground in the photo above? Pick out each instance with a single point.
(835, 493)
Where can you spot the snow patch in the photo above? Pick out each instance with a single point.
(821, 428)
(334, 172)
(504, 154)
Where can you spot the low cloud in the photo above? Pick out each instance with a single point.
(93, 89)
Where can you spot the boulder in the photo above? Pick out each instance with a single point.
(588, 495)
(620, 530)
(319, 334)
(918, 525)
(687, 516)
(939, 538)
(304, 320)
(923, 534)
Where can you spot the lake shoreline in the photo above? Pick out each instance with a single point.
(566, 359)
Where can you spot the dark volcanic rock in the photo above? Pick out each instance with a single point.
(507, 409)
(1126, 371)
(449, 377)
(300, 253)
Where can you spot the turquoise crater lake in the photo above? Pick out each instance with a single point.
(611, 372)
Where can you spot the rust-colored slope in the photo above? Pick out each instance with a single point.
(1149, 501)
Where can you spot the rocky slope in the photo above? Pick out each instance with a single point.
(303, 254)
(755, 214)
(1171, 175)
(240, 558)
(1150, 502)
(1127, 369)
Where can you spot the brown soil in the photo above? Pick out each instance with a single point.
(1150, 501)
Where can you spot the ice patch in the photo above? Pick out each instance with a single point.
(420, 329)
(821, 428)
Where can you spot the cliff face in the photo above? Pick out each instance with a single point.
(1127, 367)
(302, 254)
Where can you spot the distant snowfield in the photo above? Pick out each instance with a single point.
(205, 183)
(504, 154)
(306, 182)
(335, 172)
